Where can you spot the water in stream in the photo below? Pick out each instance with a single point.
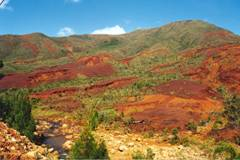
(55, 140)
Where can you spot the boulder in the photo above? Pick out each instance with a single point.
(122, 148)
(13, 139)
(67, 145)
(64, 126)
(50, 150)
(12, 148)
(69, 136)
(31, 154)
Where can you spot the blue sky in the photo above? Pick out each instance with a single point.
(63, 17)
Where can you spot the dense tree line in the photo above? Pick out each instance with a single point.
(15, 110)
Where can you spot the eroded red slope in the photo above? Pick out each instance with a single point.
(221, 67)
(61, 72)
(176, 104)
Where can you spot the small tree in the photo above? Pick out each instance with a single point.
(237, 139)
(175, 139)
(87, 148)
(192, 127)
(225, 150)
(139, 155)
(1, 64)
(93, 120)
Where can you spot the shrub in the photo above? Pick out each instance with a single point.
(203, 122)
(107, 116)
(15, 110)
(87, 148)
(237, 140)
(232, 110)
(150, 154)
(1, 64)
(185, 141)
(1, 75)
(224, 150)
(175, 139)
(223, 91)
(93, 120)
(149, 134)
(139, 155)
(128, 120)
(218, 124)
(164, 132)
(192, 127)
(175, 131)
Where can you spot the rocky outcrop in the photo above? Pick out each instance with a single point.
(15, 146)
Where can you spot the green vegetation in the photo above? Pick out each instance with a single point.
(87, 148)
(44, 111)
(232, 110)
(223, 91)
(79, 81)
(204, 122)
(107, 116)
(127, 120)
(138, 155)
(15, 110)
(192, 127)
(171, 38)
(30, 46)
(218, 124)
(185, 141)
(148, 134)
(93, 120)
(1, 64)
(175, 137)
(237, 140)
(195, 60)
(224, 150)
(109, 44)
(12, 67)
(148, 48)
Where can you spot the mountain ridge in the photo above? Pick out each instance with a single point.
(142, 29)
(173, 37)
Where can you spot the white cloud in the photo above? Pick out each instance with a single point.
(115, 30)
(66, 31)
(5, 5)
(73, 1)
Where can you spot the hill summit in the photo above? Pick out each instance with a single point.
(176, 36)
